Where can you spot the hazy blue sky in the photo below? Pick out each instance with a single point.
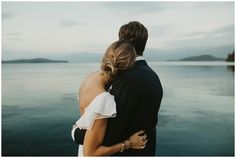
(38, 28)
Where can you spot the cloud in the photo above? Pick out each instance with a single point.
(213, 4)
(15, 39)
(7, 15)
(166, 31)
(218, 37)
(135, 7)
(13, 36)
(225, 30)
(95, 46)
(69, 23)
(162, 31)
(155, 6)
(219, 32)
(170, 24)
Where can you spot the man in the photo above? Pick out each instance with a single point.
(138, 93)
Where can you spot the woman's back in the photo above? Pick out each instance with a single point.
(92, 86)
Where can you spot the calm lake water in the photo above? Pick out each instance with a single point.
(39, 107)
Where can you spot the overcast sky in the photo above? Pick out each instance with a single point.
(35, 28)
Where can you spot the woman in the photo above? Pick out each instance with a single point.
(97, 105)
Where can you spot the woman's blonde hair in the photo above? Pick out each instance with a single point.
(119, 56)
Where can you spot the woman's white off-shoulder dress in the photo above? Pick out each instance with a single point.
(102, 106)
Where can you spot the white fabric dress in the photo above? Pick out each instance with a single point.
(102, 106)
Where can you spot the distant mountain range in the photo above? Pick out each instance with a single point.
(83, 57)
(155, 54)
(203, 54)
(202, 58)
(44, 60)
(34, 60)
(160, 55)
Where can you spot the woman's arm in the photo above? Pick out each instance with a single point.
(94, 138)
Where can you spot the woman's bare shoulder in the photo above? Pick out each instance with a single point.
(90, 88)
(92, 80)
(96, 75)
(92, 73)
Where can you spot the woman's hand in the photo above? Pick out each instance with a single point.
(138, 140)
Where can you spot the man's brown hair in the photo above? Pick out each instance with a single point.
(135, 33)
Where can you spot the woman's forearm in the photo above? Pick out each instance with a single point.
(103, 150)
(94, 138)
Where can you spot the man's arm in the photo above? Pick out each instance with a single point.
(78, 134)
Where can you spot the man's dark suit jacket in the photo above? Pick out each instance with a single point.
(138, 94)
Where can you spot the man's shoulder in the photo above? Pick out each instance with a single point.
(131, 75)
(137, 73)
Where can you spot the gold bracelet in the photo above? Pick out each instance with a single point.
(127, 144)
(122, 147)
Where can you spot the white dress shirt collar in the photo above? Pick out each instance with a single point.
(139, 58)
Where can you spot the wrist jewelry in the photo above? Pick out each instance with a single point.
(122, 147)
(127, 144)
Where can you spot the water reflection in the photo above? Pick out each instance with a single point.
(196, 116)
(231, 68)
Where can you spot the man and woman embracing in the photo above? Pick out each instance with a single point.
(119, 103)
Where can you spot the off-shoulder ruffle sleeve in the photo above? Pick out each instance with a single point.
(102, 106)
